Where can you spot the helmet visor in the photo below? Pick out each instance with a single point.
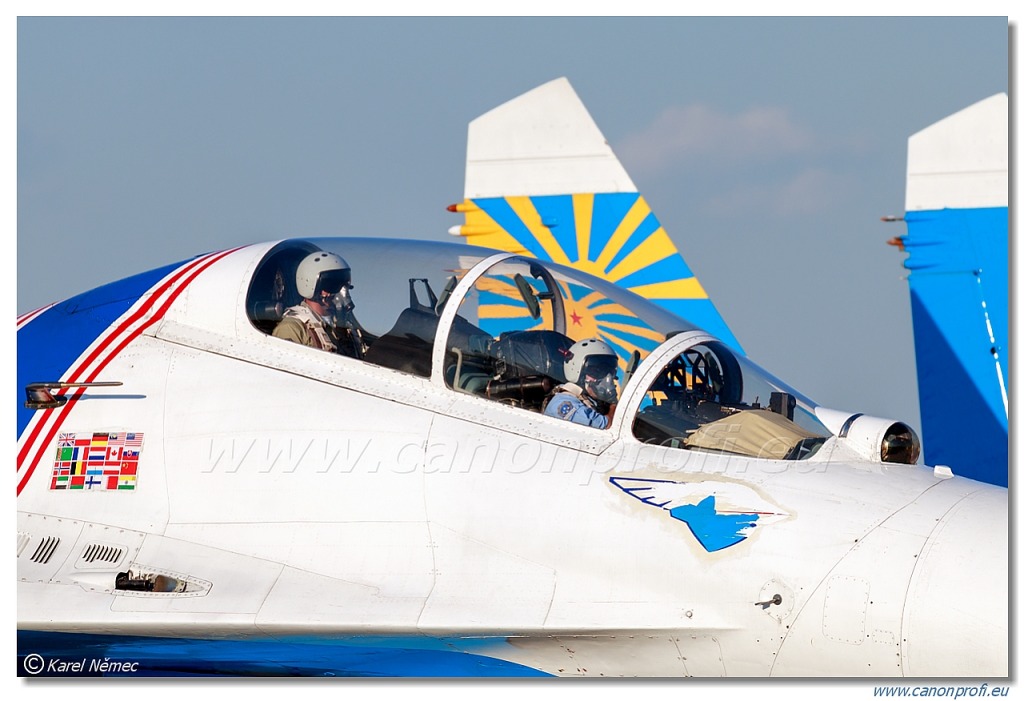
(598, 377)
(599, 366)
(331, 281)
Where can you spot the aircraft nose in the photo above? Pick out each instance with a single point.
(956, 618)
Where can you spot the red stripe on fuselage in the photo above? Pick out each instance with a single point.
(29, 316)
(76, 373)
(191, 271)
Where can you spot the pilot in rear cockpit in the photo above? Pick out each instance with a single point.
(590, 394)
(324, 317)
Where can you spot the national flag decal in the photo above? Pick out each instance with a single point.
(96, 461)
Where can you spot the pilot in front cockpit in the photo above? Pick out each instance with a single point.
(590, 394)
(324, 317)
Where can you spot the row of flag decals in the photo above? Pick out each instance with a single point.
(96, 461)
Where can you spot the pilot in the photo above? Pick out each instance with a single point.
(323, 280)
(589, 396)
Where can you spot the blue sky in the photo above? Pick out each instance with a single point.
(769, 148)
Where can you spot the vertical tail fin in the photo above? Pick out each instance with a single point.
(957, 240)
(541, 180)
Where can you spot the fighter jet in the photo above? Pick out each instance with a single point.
(398, 492)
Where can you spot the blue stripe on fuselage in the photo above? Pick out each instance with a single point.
(368, 656)
(51, 342)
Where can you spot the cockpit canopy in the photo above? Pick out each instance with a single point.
(508, 336)
(708, 397)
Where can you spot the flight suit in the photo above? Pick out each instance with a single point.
(567, 406)
(302, 325)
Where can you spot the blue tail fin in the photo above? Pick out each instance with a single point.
(957, 238)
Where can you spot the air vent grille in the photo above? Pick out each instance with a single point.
(23, 540)
(98, 553)
(44, 551)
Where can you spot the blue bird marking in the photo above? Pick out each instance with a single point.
(714, 531)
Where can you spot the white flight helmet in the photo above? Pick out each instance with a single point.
(322, 271)
(593, 358)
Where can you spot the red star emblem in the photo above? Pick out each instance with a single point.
(576, 319)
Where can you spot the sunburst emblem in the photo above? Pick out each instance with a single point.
(588, 313)
(614, 236)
